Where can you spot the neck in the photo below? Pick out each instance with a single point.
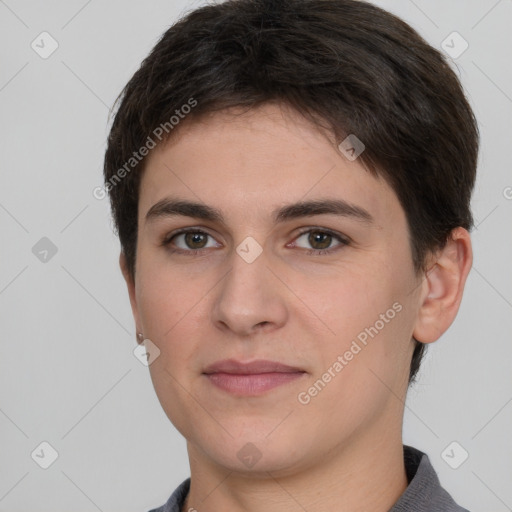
(354, 477)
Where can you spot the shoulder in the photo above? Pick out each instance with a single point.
(176, 500)
(424, 492)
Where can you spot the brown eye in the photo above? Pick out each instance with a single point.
(189, 241)
(319, 240)
(195, 239)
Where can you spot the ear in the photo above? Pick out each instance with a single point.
(131, 292)
(443, 286)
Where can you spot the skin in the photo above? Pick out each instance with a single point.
(342, 450)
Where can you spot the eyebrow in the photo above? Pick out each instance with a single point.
(170, 207)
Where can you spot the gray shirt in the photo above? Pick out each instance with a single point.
(423, 494)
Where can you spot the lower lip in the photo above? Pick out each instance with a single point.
(251, 385)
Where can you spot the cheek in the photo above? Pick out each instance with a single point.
(173, 317)
(362, 368)
(166, 298)
(365, 318)
(174, 310)
(344, 302)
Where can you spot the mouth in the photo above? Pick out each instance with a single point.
(252, 378)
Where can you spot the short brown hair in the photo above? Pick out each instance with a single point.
(344, 64)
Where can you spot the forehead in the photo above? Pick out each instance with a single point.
(248, 163)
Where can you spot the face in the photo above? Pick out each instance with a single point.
(327, 289)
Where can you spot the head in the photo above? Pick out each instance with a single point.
(247, 108)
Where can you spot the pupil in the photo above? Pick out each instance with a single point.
(316, 235)
(193, 238)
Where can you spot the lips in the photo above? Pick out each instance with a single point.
(259, 366)
(250, 379)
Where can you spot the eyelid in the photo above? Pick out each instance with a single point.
(193, 229)
(183, 231)
(341, 237)
(343, 240)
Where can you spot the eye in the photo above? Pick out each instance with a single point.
(189, 241)
(321, 240)
(192, 241)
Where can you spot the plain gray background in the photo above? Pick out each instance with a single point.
(68, 375)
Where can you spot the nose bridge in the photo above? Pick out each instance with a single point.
(248, 295)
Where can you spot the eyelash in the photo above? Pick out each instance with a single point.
(344, 241)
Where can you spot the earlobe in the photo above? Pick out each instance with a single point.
(443, 287)
(131, 291)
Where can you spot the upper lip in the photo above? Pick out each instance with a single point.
(254, 367)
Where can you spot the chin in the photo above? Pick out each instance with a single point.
(254, 455)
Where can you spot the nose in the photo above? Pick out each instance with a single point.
(250, 298)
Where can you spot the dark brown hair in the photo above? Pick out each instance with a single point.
(346, 65)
